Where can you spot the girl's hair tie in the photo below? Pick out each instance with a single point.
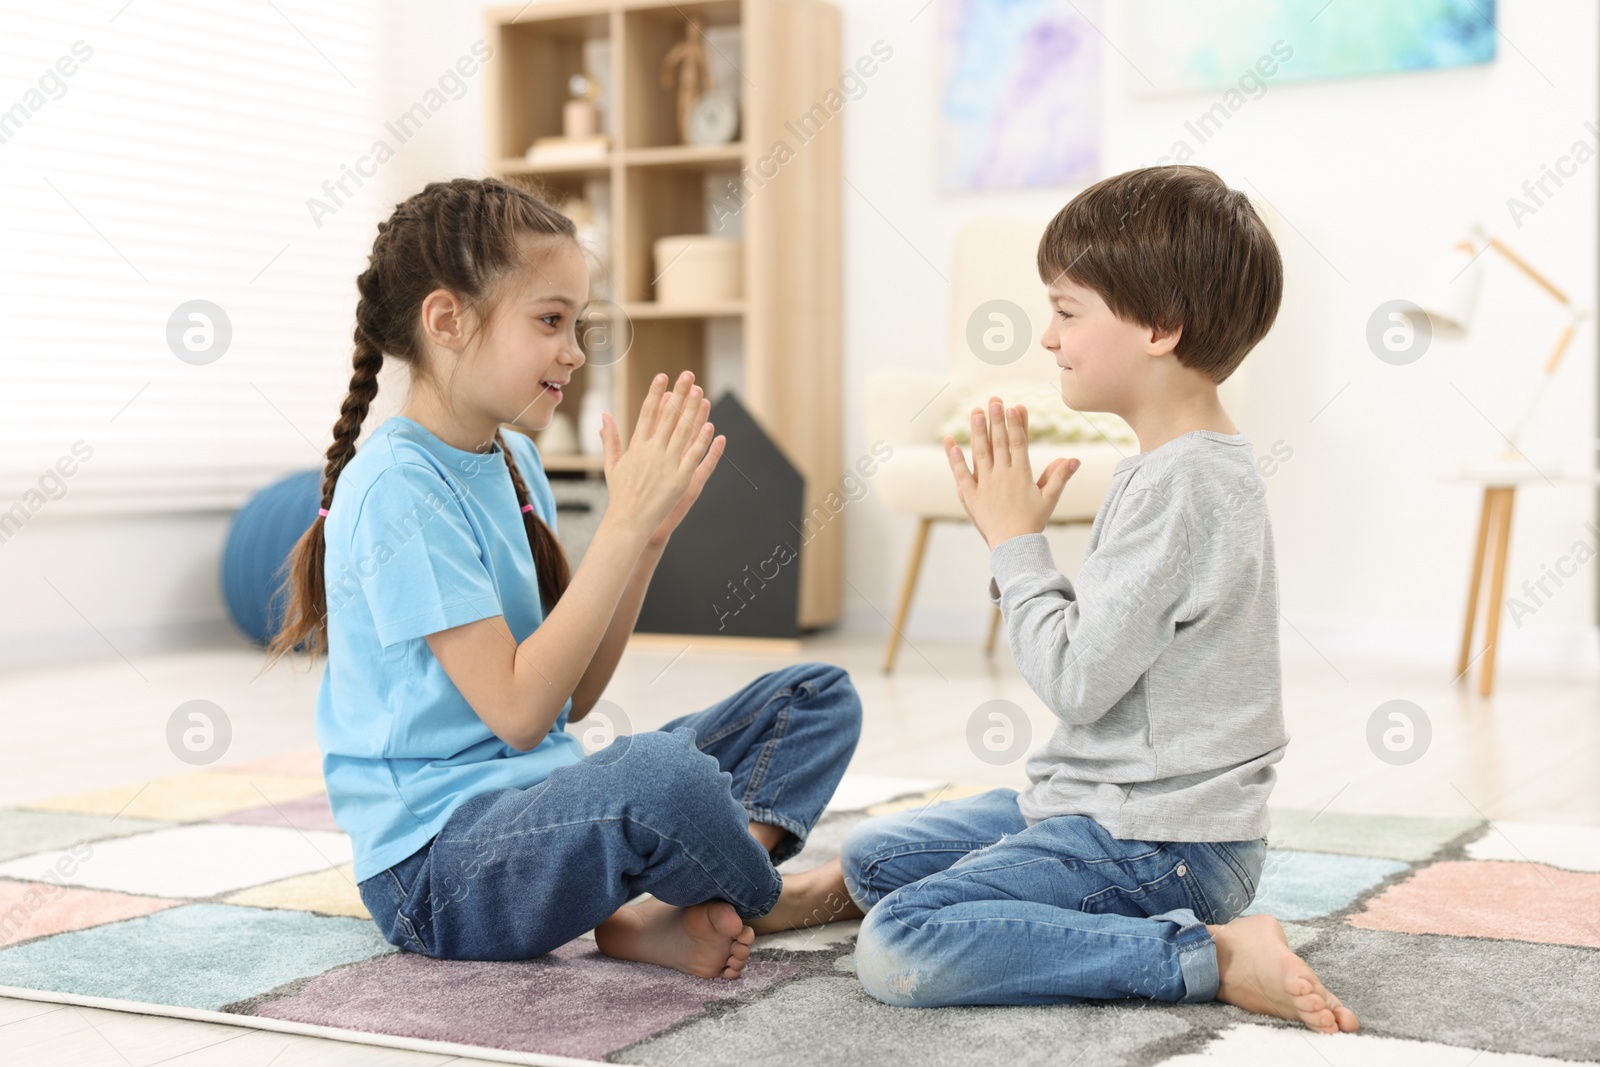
(322, 511)
(527, 507)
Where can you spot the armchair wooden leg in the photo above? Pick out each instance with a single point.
(1485, 518)
(1497, 588)
(907, 588)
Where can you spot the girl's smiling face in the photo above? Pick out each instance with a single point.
(531, 351)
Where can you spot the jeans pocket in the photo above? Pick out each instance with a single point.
(379, 896)
(1175, 887)
(1238, 866)
(388, 897)
(384, 896)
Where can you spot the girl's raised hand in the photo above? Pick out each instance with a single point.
(671, 452)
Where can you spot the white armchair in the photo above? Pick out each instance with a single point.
(994, 259)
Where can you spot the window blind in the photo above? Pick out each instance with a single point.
(156, 159)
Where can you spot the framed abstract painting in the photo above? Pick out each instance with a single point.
(1019, 100)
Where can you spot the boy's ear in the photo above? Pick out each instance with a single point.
(1163, 341)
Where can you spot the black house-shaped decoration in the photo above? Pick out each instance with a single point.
(732, 567)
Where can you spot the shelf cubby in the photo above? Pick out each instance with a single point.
(535, 58)
(650, 32)
(786, 368)
(659, 202)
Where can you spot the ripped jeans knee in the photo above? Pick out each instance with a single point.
(883, 966)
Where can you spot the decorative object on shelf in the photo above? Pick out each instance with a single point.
(733, 566)
(596, 390)
(581, 140)
(687, 63)
(591, 214)
(696, 268)
(580, 116)
(548, 150)
(581, 211)
(714, 119)
(558, 438)
(580, 504)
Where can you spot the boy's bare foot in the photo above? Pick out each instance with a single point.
(1259, 972)
(707, 940)
(810, 898)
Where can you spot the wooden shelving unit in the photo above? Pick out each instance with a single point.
(790, 317)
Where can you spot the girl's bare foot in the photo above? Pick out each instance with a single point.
(1259, 972)
(707, 940)
(810, 898)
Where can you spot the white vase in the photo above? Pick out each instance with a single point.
(596, 399)
(556, 438)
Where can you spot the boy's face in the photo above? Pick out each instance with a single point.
(1100, 355)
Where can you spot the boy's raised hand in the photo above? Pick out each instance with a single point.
(999, 493)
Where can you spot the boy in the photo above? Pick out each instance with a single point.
(1122, 869)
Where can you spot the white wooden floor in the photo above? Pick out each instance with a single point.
(1532, 752)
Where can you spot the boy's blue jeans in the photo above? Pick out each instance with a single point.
(968, 904)
(515, 873)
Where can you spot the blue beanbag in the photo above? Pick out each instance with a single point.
(262, 535)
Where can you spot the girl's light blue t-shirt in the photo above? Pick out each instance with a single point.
(422, 536)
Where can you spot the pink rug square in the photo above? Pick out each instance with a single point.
(306, 813)
(35, 909)
(1515, 901)
(304, 761)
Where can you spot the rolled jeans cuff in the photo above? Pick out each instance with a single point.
(766, 905)
(787, 848)
(1197, 956)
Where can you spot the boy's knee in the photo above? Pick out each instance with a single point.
(850, 852)
(858, 855)
(882, 967)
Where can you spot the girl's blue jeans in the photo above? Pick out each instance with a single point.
(968, 904)
(515, 873)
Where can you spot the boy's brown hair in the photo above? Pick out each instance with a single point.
(1172, 246)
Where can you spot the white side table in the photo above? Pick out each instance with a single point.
(1500, 479)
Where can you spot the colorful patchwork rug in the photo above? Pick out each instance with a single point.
(227, 896)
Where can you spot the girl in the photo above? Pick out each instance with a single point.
(460, 646)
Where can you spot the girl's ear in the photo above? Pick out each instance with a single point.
(444, 320)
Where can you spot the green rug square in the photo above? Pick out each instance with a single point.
(23, 833)
(197, 956)
(1391, 837)
(1296, 886)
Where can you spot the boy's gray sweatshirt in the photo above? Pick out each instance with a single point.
(1161, 660)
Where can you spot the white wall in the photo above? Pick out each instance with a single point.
(1371, 175)
(96, 588)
